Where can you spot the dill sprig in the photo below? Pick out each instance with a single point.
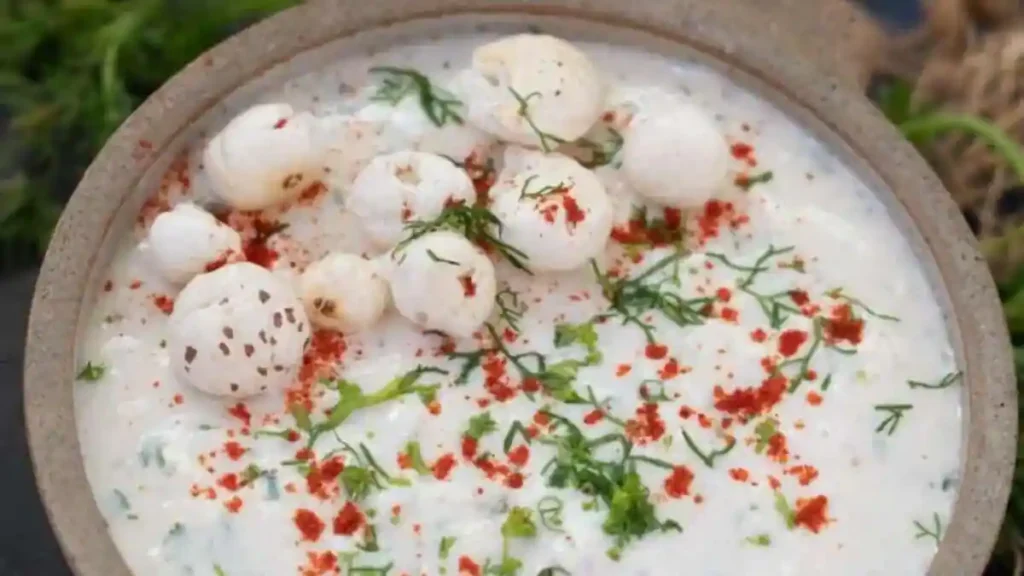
(439, 106)
(614, 483)
(894, 416)
(510, 307)
(475, 223)
(543, 191)
(708, 458)
(548, 142)
(775, 306)
(837, 294)
(946, 381)
(935, 533)
(632, 298)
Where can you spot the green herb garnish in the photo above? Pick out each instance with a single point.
(934, 533)
(439, 106)
(548, 142)
(91, 372)
(476, 223)
(481, 425)
(895, 416)
(946, 381)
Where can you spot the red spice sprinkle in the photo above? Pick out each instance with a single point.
(293, 436)
(304, 454)
(799, 297)
(670, 370)
(541, 419)
(531, 385)
(234, 450)
(774, 482)
(234, 504)
(349, 520)
(843, 325)
(135, 285)
(320, 564)
(677, 484)
(814, 399)
(281, 123)
(758, 335)
(777, 449)
(468, 286)
(622, 369)
(519, 455)
(514, 480)
(229, 482)
(593, 417)
(647, 426)
(805, 473)
(179, 399)
(746, 402)
(742, 151)
(723, 294)
(730, 314)
(655, 351)
(573, 214)
(704, 421)
(443, 466)
(309, 524)
(467, 567)
(790, 342)
(685, 412)
(164, 303)
(469, 447)
(812, 513)
(241, 411)
(739, 474)
(332, 468)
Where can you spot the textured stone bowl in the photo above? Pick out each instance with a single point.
(785, 50)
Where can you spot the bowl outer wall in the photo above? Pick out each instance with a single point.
(768, 40)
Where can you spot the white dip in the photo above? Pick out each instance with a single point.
(783, 380)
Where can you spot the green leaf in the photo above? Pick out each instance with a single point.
(412, 449)
(481, 425)
(894, 100)
(583, 334)
(785, 510)
(444, 549)
(519, 523)
(91, 372)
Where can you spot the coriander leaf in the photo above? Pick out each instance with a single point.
(447, 542)
(631, 512)
(91, 372)
(412, 450)
(760, 540)
(481, 425)
(218, 571)
(764, 432)
(519, 523)
(785, 510)
(583, 334)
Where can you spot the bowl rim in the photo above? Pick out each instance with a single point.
(726, 30)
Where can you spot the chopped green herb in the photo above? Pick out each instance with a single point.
(548, 142)
(91, 372)
(583, 334)
(439, 106)
(351, 399)
(433, 256)
(837, 294)
(785, 510)
(445, 548)
(476, 223)
(525, 194)
(748, 182)
(510, 309)
(412, 450)
(709, 458)
(895, 416)
(764, 432)
(481, 425)
(516, 428)
(600, 153)
(934, 533)
(947, 381)
(519, 523)
(550, 511)
(760, 539)
(218, 571)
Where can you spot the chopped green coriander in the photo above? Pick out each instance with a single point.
(785, 510)
(759, 540)
(481, 425)
(412, 450)
(583, 334)
(218, 571)
(764, 432)
(91, 372)
(445, 547)
(549, 508)
(707, 458)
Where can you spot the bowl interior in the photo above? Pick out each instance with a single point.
(727, 39)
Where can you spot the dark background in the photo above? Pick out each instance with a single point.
(27, 546)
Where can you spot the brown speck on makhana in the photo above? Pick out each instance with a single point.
(224, 349)
(249, 350)
(264, 296)
(190, 354)
(228, 332)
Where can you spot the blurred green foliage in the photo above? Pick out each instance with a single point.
(70, 72)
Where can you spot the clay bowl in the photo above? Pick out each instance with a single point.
(770, 49)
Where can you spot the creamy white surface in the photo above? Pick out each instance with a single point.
(877, 485)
